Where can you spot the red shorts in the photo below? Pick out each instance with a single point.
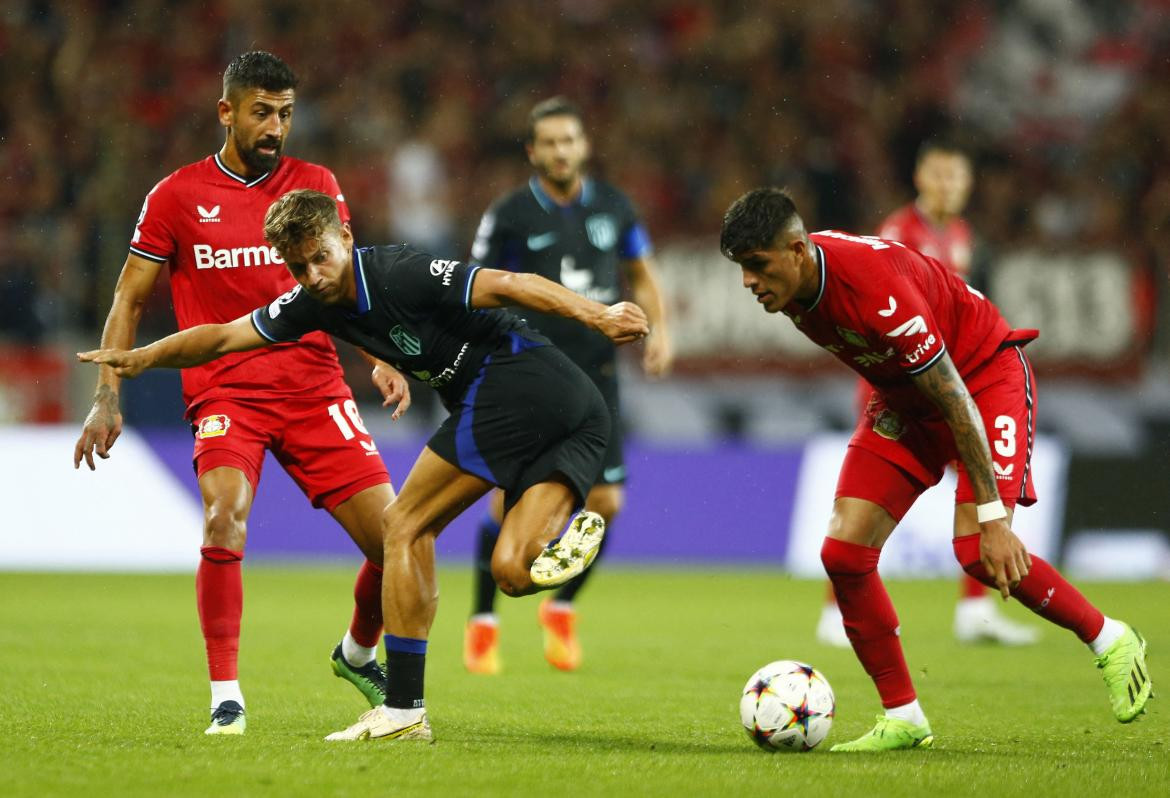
(320, 442)
(893, 458)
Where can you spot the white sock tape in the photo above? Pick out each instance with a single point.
(991, 511)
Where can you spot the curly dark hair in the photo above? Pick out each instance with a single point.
(755, 219)
(257, 70)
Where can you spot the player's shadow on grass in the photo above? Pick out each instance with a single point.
(593, 741)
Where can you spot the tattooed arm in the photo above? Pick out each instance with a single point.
(1003, 553)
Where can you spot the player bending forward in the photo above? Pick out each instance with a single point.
(523, 417)
(945, 367)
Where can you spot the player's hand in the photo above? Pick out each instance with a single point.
(102, 427)
(393, 387)
(623, 323)
(1004, 556)
(126, 363)
(658, 356)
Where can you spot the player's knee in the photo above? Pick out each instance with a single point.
(511, 579)
(841, 557)
(510, 573)
(224, 527)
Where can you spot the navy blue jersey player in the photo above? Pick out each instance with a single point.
(523, 418)
(584, 234)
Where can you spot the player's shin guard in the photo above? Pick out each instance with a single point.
(366, 624)
(485, 583)
(870, 620)
(1044, 591)
(219, 595)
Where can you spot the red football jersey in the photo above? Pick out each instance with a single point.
(889, 312)
(208, 223)
(949, 244)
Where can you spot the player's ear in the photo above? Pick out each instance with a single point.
(224, 110)
(346, 234)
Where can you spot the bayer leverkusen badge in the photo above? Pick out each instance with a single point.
(213, 426)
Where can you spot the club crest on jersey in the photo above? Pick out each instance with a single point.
(602, 231)
(852, 337)
(208, 214)
(889, 425)
(213, 427)
(408, 343)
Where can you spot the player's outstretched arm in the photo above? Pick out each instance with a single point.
(1003, 553)
(191, 347)
(103, 424)
(646, 289)
(621, 323)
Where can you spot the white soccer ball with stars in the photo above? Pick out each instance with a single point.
(787, 706)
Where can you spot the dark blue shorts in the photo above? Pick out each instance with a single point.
(529, 414)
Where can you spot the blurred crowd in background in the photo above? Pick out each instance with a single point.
(420, 109)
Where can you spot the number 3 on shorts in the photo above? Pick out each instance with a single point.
(1005, 444)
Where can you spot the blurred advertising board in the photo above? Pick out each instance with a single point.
(1094, 311)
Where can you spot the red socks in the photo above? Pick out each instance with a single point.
(366, 626)
(870, 620)
(219, 595)
(1044, 591)
(971, 588)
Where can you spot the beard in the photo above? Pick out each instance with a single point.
(563, 181)
(257, 161)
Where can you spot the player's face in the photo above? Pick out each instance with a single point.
(558, 149)
(258, 122)
(324, 266)
(943, 180)
(774, 275)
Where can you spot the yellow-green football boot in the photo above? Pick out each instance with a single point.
(890, 734)
(1123, 666)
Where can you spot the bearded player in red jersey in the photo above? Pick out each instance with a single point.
(932, 225)
(945, 368)
(206, 220)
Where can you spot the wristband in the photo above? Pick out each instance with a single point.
(991, 511)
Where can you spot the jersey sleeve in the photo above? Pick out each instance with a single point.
(633, 240)
(333, 189)
(429, 284)
(154, 237)
(286, 318)
(901, 317)
(495, 246)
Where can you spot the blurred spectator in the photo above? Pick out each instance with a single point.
(419, 108)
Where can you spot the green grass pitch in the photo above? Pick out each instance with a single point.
(103, 692)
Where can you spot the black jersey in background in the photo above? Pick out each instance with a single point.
(580, 246)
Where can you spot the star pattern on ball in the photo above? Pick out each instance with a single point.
(761, 687)
(800, 716)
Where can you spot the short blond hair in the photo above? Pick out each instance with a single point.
(299, 216)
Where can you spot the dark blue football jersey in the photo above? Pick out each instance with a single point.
(581, 246)
(413, 311)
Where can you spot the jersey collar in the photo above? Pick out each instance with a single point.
(820, 253)
(359, 278)
(549, 204)
(240, 178)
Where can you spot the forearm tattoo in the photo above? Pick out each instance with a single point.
(947, 390)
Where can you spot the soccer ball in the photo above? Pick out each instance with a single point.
(787, 706)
